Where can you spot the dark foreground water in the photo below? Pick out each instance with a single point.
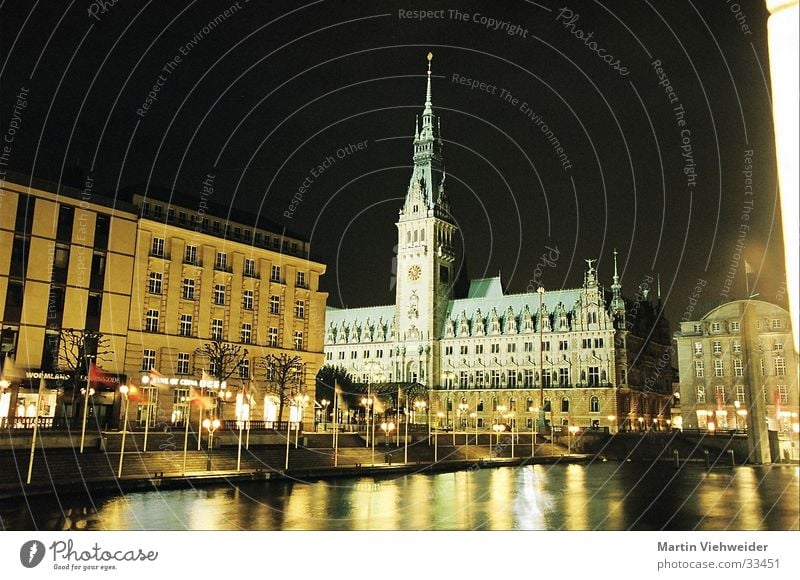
(600, 496)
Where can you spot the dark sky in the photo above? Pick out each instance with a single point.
(265, 95)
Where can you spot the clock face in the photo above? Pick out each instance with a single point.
(414, 272)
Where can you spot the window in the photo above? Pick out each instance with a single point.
(776, 323)
(157, 248)
(221, 262)
(763, 368)
(547, 379)
(528, 347)
(244, 369)
(716, 327)
(740, 395)
(272, 336)
(698, 347)
(512, 347)
(563, 377)
(564, 405)
(592, 318)
(586, 343)
(594, 405)
(274, 304)
(66, 215)
(719, 368)
(736, 346)
(463, 379)
(512, 380)
(183, 363)
(563, 345)
(247, 299)
(247, 333)
(379, 353)
(780, 366)
(366, 354)
(527, 378)
(188, 289)
(699, 369)
(151, 321)
(594, 376)
(546, 345)
(448, 350)
(275, 274)
(185, 328)
(249, 267)
(148, 359)
(464, 349)
(701, 393)
(478, 349)
(216, 329)
(495, 348)
(717, 348)
(719, 394)
(778, 345)
(154, 283)
(219, 294)
(735, 326)
(495, 379)
(738, 367)
(783, 394)
(190, 255)
(299, 309)
(298, 340)
(480, 379)
(598, 343)
(301, 280)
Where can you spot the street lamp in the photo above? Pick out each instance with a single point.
(126, 392)
(85, 411)
(498, 428)
(387, 428)
(533, 410)
(367, 404)
(211, 426)
(572, 429)
(462, 411)
(510, 419)
(611, 419)
(439, 415)
(474, 417)
(325, 403)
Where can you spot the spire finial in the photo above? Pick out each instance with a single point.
(428, 92)
(616, 275)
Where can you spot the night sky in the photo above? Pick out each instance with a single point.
(263, 95)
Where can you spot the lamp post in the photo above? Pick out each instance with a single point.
(387, 428)
(300, 403)
(533, 410)
(367, 403)
(497, 428)
(472, 416)
(439, 415)
(126, 392)
(211, 426)
(4, 384)
(572, 429)
(510, 419)
(325, 403)
(86, 394)
(462, 411)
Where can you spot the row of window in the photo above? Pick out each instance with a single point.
(594, 405)
(721, 399)
(738, 367)
(736, 326)
(258, 238)
(186, 328)
(188, 292)
(182, 365)
(221, 262)
(736, 347)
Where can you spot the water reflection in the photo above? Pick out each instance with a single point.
(604, 496)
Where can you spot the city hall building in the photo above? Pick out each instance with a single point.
(158, 276)
(599, 359)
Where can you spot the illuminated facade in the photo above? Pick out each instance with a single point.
(600, 360)
(158, 281)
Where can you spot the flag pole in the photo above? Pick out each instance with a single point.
(200, 416)
(240, 419)
(335, 425)
(186, 434)
(35, 431)
(405, 439)
(86, 403)
(147, 419)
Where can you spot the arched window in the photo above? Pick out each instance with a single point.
(564, 405)
(479, 407)
(415, 236)
(594, 405)
(547, 405)
(512, 404)
(494, 403)
(529, 405)
(422, 235)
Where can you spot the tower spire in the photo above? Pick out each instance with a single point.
(616, 275)
(428, 103)
(617, 303)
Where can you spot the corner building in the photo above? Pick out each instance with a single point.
(595, 358)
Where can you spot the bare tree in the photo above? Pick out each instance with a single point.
(285, 377)
(76, 349)
(224, 358)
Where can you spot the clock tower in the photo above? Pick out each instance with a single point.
(425, 256)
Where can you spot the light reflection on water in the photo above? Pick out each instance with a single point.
(603, 496)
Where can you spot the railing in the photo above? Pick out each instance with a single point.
(234, 425)
(28, 422)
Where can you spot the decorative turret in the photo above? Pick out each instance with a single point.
(617, 303)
